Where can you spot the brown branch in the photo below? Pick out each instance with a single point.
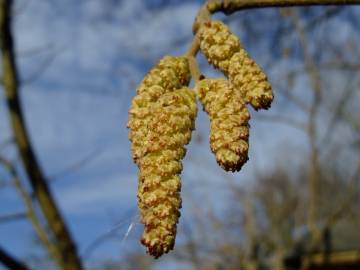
(10, 262)
(231, 6)
(64, 242)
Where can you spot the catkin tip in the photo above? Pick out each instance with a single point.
(229, 128)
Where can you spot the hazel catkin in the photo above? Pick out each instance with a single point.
(229, 128)
(169, 74)
(161, 119)
(224, 50)
(173, 117)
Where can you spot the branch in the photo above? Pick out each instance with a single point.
(10, 262)
(64, 242)
(230, 6)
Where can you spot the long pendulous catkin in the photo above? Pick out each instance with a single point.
(229, 117)
(159, 188)
(224, 50)
(161, 120)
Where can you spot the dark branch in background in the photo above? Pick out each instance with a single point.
(10, 262)
(231, 6)
(63, 240)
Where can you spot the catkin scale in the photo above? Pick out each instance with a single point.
(223, 50)
(229, 128)
(161, 120)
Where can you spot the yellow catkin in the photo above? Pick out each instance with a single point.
(229, 117)
(224, 50)
(161, 119)
(169, 74)
(173, 118)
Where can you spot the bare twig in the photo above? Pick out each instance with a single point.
(231, 6)
(191, 54)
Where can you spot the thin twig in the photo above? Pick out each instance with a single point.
(230, 6)
(191, 54)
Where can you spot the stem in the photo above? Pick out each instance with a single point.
(64, 243)
(191, 54)
(230, 6)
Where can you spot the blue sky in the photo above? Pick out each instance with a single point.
(80, 62)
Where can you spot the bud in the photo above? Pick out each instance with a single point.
(229, 128)
(224, 50)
